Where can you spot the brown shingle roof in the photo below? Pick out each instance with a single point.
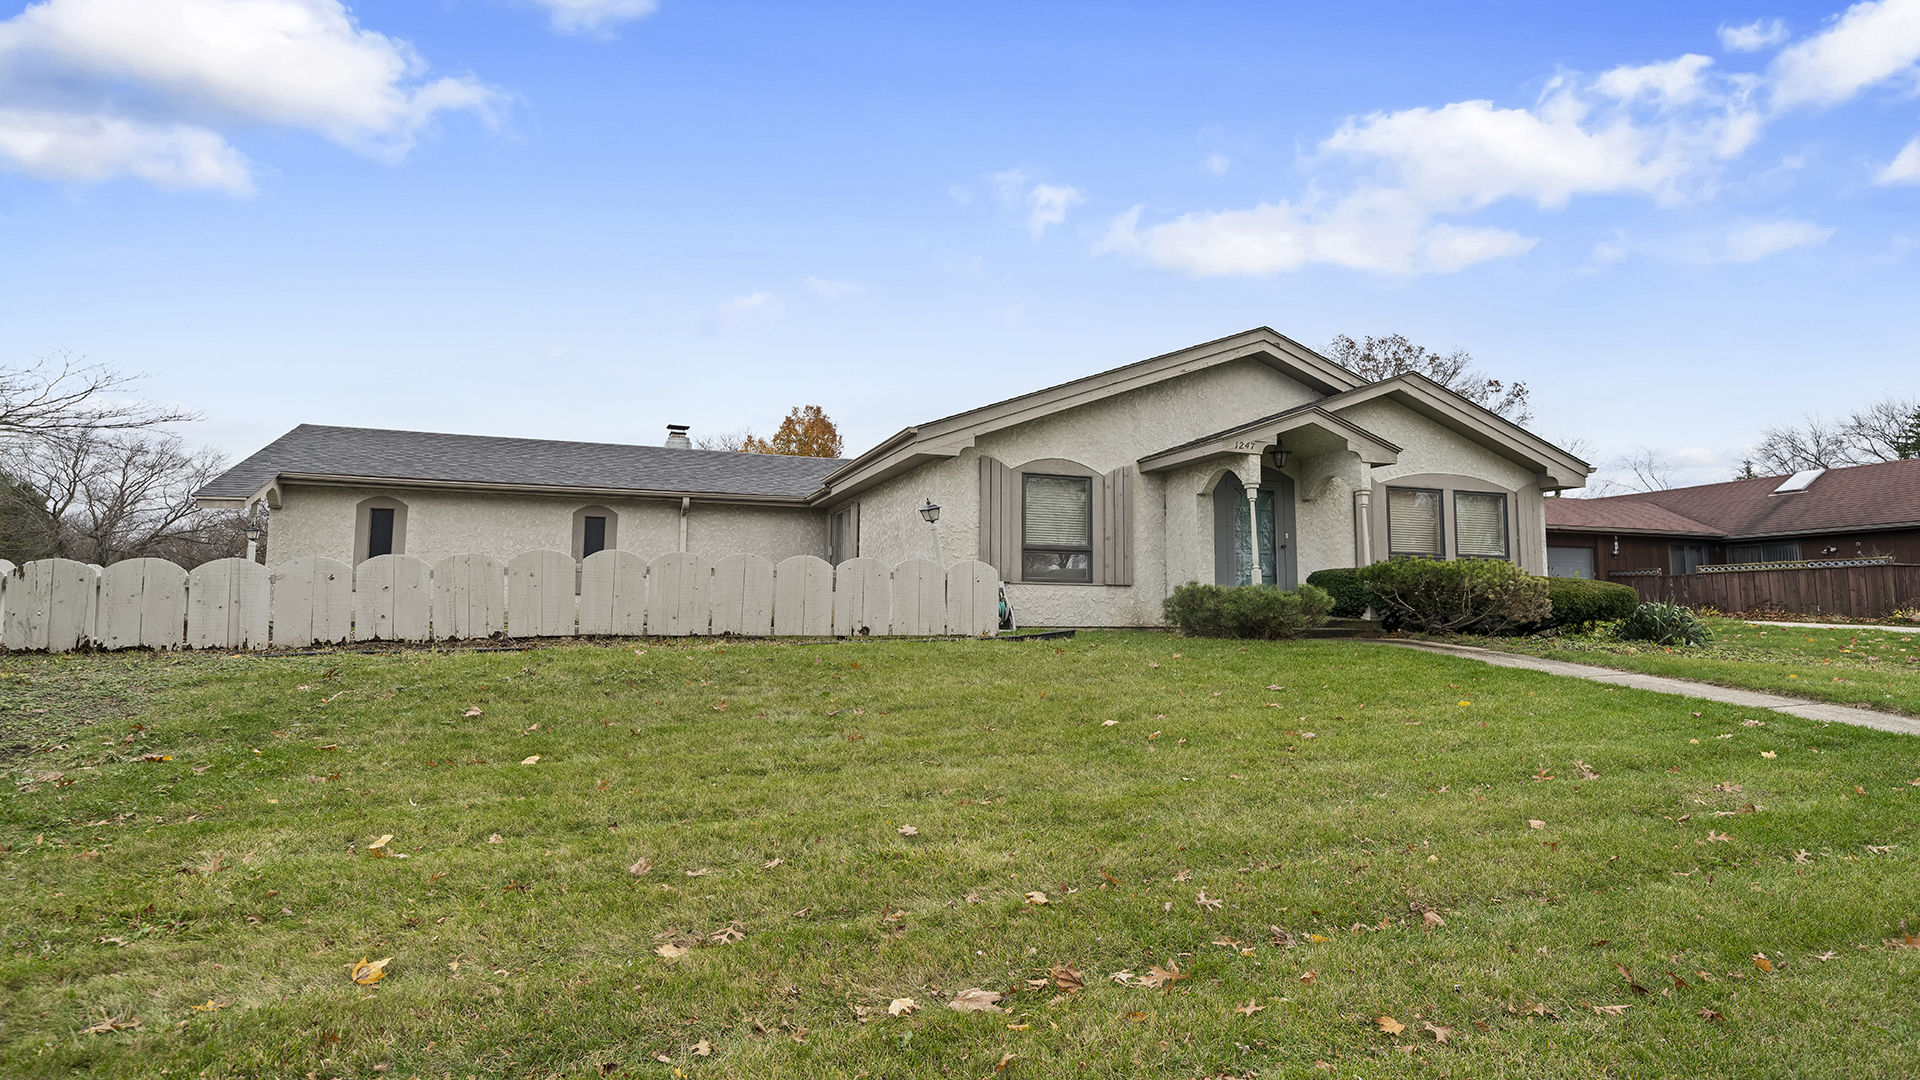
(1880, 496)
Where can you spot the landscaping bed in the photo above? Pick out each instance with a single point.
(1167, 857)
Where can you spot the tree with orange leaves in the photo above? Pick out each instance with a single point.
(806, 432)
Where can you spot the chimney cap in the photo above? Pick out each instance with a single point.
(678, 427)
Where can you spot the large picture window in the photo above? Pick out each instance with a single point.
(1414, 523)
(1480, 525)
(1057, 529)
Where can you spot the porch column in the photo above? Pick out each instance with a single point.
(1253, 530)
(1362, 526)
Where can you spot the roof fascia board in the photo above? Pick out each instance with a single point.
(1483, 426)
(1599, 530)
(335, 480)
(1834, 530)
(947, 436)
(1372, 449)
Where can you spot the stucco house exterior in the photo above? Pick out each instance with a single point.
(1250, 458)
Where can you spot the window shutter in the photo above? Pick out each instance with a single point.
(999, 518)
(1115, 548)
(1413, 522)
(1058, 511)
(1480, 524)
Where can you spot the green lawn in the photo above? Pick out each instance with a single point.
(1556, 830)
(1859, 665)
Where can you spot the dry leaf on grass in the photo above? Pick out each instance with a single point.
(112, 1023)
(1709, 1015)
(1250, 1008)
(1004, 1060)
(1158, 976)
(1611, 1010)
(1208, 902)
(366, 974)
(1389, 1025)
(1108, 723)
(1760, 961)
(473, 711)
(534, 760)
(1309, 977)
(1536, 823)
(907, 830)
(670, 951)
(1430, 919)
(496, 838)
(640, 869)
(700, 871)
(975, 1000)
(771, 863)
(1184, 875)
(1067, 978)
(902, 1006)
(728, 934)
(1768, 754)
(1036, 897)
(1440, 1034)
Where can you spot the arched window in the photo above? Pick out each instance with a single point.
(595, 528)
(379, 528)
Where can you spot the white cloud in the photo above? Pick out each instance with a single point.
(1751, 243)
(84, 64)
(1870, 43)
(1218, 164)
(1670, 82)
(739, 309)
(65, 146)
(1049, 203)
(1905, 166)
(832, 290)
(573, 16)
(1754, 36)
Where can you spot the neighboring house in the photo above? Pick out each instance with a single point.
(1819, 516)
(1250, 458)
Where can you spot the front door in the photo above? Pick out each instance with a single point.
(1233, 520)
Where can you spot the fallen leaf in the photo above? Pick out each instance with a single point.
(1250, 1008)
(1208, 902)
(473, 711)
(1760, 961)
(1004, 1059)
(131, 1023)
(496, 838)
(1391, 1026)
(902, 1006)
(700, 871)
(1709, 1015)
(1611, 1010)
(907, 830)
(703, 1048)
(1036, 897)
(640, 869)
(728, 934)
(1067, 978)
(1108, 723)
(1019, 1027)
(1184, 875)
(534, 760)
(1309, 977)
(1158, 976)
(1536, 823)
(1440, 1034)
(771, 863)
(1718, 837)
(1768, 754)
(1431, 919)
(670, 951)
(212, 1006)
(366, 974)
(975, 1000)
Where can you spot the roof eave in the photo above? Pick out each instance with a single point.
(495, 488)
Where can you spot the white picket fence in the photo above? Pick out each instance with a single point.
(57, 604)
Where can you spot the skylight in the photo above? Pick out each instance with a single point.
(1799, 481)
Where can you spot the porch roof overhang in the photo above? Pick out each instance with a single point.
(1308, 430)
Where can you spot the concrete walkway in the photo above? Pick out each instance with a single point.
(1839, 714)
(1841, 626)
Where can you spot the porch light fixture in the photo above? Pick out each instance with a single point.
(253, 534)
(931, 512)
(1279, 455)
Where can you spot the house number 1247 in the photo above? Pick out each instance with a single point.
(1246, 445)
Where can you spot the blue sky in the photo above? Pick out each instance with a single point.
(590, 218)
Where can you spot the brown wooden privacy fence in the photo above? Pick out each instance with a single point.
(58, 604)
(1858, 592)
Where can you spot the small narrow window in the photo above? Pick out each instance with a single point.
(843, 534)
(594, 537)
(1413, 523)
(1057, 529)
(1480, 525)
(379, 531)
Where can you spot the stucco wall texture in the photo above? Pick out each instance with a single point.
(318, 520)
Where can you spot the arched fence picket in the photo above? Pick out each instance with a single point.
(54, 605)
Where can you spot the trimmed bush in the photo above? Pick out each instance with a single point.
(1663, 624)
(1475, 596)
(1350, 595)
(1261, 612)
(1577, 601)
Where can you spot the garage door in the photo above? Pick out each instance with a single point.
(1570, 562)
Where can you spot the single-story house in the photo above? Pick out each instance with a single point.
(1820, 516)
(1247, 459)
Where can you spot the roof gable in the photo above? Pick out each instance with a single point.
(1557, 468)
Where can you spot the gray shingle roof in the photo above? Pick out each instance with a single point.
(479, 459)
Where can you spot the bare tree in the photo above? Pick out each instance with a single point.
(1877, 432)
(1374, 359)
(731, 441)
(61, 393)
(103, 496)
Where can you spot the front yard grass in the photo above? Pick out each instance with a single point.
(1858, 665)
(825, 830)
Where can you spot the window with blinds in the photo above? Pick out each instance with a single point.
(1057, 529)
(1480, 525)
(1413, 523)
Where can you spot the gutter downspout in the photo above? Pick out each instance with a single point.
(686, 503)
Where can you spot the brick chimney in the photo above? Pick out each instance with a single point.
(677, 437)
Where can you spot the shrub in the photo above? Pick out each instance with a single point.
(1663, 624)
(1577, 602)
(1350, 596)
(1478, 596)
(1246, 611)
